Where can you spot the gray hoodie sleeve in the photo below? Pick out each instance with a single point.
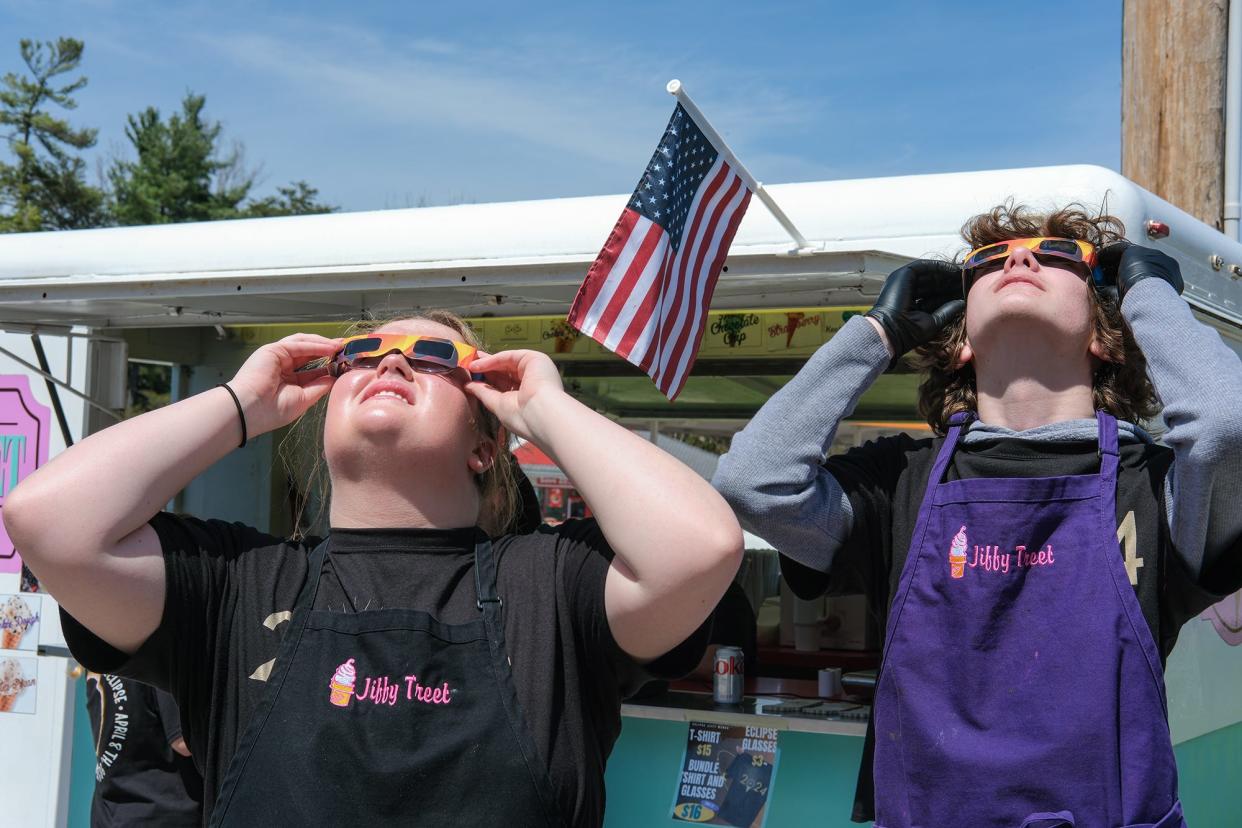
(773, 474)
(1199, 380)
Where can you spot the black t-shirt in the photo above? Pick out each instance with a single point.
(139, 778)
(732, 625)
(231, 589)
(886, 480)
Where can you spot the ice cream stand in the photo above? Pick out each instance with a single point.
(197, 298)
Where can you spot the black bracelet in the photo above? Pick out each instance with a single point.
(240, 413)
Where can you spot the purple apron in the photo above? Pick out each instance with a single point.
(1020, 684)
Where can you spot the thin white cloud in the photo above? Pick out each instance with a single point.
(433, 46)
(451, 106)
(551, 90)
(547, 90)
(416, 92)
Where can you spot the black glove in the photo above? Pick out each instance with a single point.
(1124, 265)
(917, 302)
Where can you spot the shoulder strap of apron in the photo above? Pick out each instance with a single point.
(490, 604)
(485, 576)
(284, 656)
(1109, 455)
(958, 423)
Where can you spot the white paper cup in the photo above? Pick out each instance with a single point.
(830, 683)
(806, 637)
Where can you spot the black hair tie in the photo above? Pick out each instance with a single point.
(240, 414)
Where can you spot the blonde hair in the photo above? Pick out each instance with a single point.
(499, 500)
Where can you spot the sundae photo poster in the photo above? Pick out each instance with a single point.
(19, 622)
(18, 680)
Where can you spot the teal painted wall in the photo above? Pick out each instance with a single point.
(814, 782)
(1209, 771)
(82, 762)
(815, 779)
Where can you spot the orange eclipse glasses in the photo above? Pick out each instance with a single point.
(425, 354)
(1049, 250)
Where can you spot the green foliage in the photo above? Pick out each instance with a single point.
(45, 188)
(150, 387)
(180, 175)
(178, 172)
(707, 442)
(177, 164)
(298, 199)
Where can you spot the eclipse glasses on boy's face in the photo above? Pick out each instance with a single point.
(425, 354)
(1081, 256)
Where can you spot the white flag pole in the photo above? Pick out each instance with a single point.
(678, 91)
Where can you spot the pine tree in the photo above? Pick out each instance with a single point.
(298, 199)
(45, 188)
(180, 175)
(172, 179)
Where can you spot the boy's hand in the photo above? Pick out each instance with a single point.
(1126, 264)
(917, 302)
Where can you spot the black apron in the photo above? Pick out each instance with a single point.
(389, 717)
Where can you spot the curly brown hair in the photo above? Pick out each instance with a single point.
(1120, 384)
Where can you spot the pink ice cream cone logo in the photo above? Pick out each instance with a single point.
(342, 684)
(957, 554)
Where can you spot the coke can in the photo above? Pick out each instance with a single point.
(728, 674)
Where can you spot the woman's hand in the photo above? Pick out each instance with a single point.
(677, 544)
(515, 379)
(272, 391)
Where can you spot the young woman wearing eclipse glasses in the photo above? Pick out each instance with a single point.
(1033, 562)
(409, 669)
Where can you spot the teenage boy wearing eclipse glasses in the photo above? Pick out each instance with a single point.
(1034, 561)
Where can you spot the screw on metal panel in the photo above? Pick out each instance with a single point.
(1235, 271)
(1217, 262)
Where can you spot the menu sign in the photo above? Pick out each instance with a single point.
(23, 448)
(758, 333)
(726, 775)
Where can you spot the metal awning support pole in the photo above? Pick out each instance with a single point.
(1233, 121)
(51, 389)
(47, 376)
(678, 91)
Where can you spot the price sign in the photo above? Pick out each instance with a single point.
(726, 775)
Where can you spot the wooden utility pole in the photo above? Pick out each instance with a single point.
(1173, 101)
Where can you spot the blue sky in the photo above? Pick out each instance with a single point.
(394, 104)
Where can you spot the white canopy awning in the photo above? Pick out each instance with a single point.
(529, 257)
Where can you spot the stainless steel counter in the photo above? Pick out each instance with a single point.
(842, 718)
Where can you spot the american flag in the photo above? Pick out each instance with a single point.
(647, 293)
